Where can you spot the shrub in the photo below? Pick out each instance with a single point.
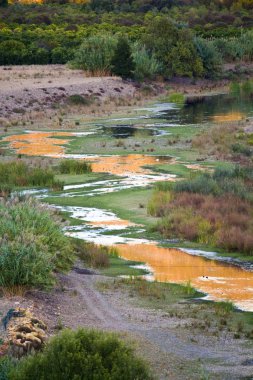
(95, 54)
(61, 55)
(210, 56)
(74, 167)
(146, 65)
(177, 98)
(12, 52)
(32, 245)
(83, 354)
(6, 364)
(122, 60)
(92, 255)
(79, 100)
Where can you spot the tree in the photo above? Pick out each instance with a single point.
(3, 3)
(122, 61)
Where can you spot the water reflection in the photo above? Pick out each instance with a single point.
(218, 108)
(219, 280)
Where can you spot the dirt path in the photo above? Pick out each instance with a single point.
(174, 351)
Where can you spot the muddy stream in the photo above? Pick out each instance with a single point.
(205, 270)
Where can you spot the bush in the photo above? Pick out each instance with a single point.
(146, 65)
(32, 245)
(177, 98)
(95, 54)
(77, 99)
(92, 255)
(122, 60)
(74, 167)
(6, 364)
(12, 52)
(61, 55)
(83, 354)
(210, 56)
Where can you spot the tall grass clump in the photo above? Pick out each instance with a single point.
(83, 354)
(74, 167)
(32, 244)
(95, 54)
(18, 174)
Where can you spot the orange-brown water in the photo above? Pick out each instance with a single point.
(221, 281)
(228, 117)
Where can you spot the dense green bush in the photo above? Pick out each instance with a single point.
(173, 47)
(82, 354)
(12, 52)
(32, 244)
(74, 167)
(122, 62)
(146, 66)
(95, 54)
(210, 56)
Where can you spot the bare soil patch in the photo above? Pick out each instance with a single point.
(34, 88)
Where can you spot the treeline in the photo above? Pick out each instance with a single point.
(159, 47)
(209, 18)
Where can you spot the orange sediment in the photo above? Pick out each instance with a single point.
(130, 164)
(38, 143)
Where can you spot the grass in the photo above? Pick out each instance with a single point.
(156, 295)
(75, 179)
(125, 203)
(121, 267)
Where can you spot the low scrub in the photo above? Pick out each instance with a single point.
(77, 99)
(214, 209)
(74, 167)
(83, 354)
(32, 245)
(92, 255)
(225, 141)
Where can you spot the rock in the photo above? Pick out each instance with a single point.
(26, 335)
